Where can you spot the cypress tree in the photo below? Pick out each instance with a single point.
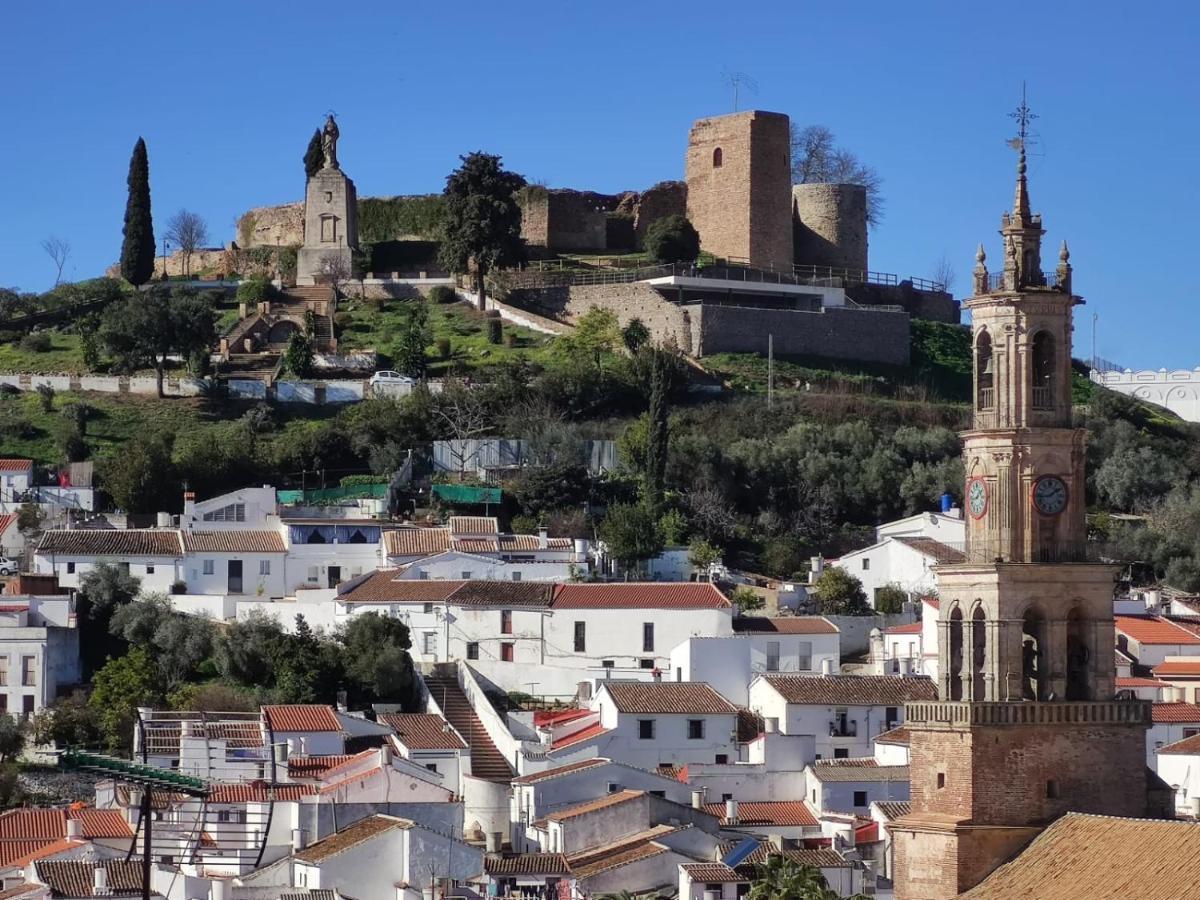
(314, 156)
(137, 250)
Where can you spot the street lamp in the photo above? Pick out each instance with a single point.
(164, 259)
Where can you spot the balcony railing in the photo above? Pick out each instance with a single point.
(987, 397)
(1045, 279)
(848, 729)
(985, 552)
(1042, 398)
(949, 713)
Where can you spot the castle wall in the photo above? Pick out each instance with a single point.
(830, 227)
(667, 198)
(272, 226)
(937, 306)
(835, 333)
(738, 173)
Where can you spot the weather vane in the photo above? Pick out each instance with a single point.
(1024, 116)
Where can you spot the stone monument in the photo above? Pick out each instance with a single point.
(330, 218)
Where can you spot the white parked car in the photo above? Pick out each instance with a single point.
(9, 566)
(387, 376)
(391, 384)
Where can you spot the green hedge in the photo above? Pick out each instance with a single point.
(392, 218)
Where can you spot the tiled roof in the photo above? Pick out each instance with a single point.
(1154, 630)
(474, 525)
(640, 595)
(611, 861)
(859, 762)
(932, 602)
(233, 542)
(544, 718)
(111, 542)
(1185, 668)
(578, 737)
(385, 586)
(713, 873)
(416, 541)
(591, 806)
(557, 771)
(335, 786)
(76, 878)
(314, 766)
(852, 690)
(45, 851)
(301, 717)
(817, 858)
(526, 864)
(504, 593)
(358, 833)
(29, 824)
(767, 812)
(511, 542)
(845, 774)
(899, 735)
(894, 809)
(910, 628)
(101, 823)
(15, 465)
(1101, 858)
(1189, 746)
(352, 760)
(423, 731)
(20, 890)
(259, 792)
(1140, 682)
(935, 550)
(6, 521)
(784, 625)
(1167, 713)
(667, 697)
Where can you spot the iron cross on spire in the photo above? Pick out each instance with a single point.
(1024, 116)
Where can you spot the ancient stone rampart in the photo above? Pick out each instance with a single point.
(830, 227)
(272, 226)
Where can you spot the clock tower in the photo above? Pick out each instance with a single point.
(1026, 727)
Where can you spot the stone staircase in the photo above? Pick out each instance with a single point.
(486, 760)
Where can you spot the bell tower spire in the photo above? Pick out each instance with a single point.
(1022, 229)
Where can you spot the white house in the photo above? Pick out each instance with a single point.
(781, 821)
(905, 554)
(1178, 764)
(1171, 722)
(155, 556)
(39, 651)
(853, 787)
(310, 730)
(480, 536)
(1152, 639)
(12, 542)
(16, 477)
(428, 740)
(1182, 675)
(844, 713)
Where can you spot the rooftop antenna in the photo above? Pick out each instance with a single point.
(737, 81)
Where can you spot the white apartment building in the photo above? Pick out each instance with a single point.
(39, 651)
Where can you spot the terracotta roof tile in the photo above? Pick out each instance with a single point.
(640, 595)
(855, 774)
(416, 541)
(423, 731)
(352, 760)
(894, 809)
(859, 762)
(1187, 668)
(7, 521)
(1101, 858)
(385, 586)
(587, 858)
(44, 851)
(101, 823)
(30, 824)
(578, 737)
(12, 851)
(1166, 713)
(111, 542)
(852, 690)
(899, 735)
(784, 625)
(504, 593)
(1140, 683)
(667, 697)
(76, 878)
(937, 551)
(314, 766)
(475, 545)
(21, 890)
(544, 718)
(15, 465)
(527, 864)
(335, 786)
(1189, 746)
(259, 792)
(358, 833)
(233, 542)
(1154, 630)
(769, 812)
(817, 858)
(558, 771)
(474, 525)
(712, 873)
(910, 628)
(591, 806)
(621, 858)
(301, 717)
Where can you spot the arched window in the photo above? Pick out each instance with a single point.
(956, 655)
(717, 158)
(1043, 370)
(978, 654)
(985, 376)
(1079, 656)
(1033, 656)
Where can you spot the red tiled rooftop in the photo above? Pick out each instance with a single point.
(1140, 683)
(1154, 630)
(1168, 713)
(545, 774)
(1189, 746)
(771, 812)
(301, 717)
(416, 541)
(258, 792)
(1187, 668)
(423, 731)
(591, 806)
(15, 465)
(545, 717)
(314, 766)
(584, 734)
(784, 625)
(640, 595)
(911, 628)
(234, 542)
(667, 697)
(712, 873)
(386, 586)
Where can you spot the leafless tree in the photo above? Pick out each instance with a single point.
(816, 159)
(187, 231)
(464, 416)
(334, 268)
(58, 250)
(712, 513)
(944, 274)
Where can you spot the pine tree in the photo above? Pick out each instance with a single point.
(314, 156)
(137, 250)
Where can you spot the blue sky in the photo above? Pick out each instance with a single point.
(600, 96)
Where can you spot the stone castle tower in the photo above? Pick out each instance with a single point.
(1026, 728)
(739, 187)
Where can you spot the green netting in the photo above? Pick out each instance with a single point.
(466, 493)
(331, 495)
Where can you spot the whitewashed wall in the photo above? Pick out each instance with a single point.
(1178, 389)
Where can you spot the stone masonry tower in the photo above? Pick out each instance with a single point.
(330, 216)
(739, 187)
(1026, 728)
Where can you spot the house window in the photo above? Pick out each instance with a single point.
(70, 568)
(223, 815)
(473, 650)
(234, 512)
(892, 715)
(506, 651)
(429, 642)
(28, 671)
(646, 663)
(581, 637)
(3, 670)
(662, 795)
(612, 787)
(722, 759)
(695, 729)
(804, 656)
(314, 574)
(726, 797)
(466, 575)
(264, 567)
(608, 664)
(646, 729)
(27, 704)
(1190, 732)
(516, 576)
(506, 621)
(841, 752)
(860, 798)
(149, 570)
(424, 576)
(866, 564)
(772, 656)
(647, 637)
(428, 608)
(209, 566)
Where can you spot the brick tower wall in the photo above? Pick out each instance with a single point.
(738, 173)
(830, 225)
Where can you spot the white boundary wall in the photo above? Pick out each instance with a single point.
(336, 391)
(1178, 390)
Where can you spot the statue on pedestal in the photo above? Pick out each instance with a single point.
(329, 139)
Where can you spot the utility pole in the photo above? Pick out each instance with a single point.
(146, 817)
(1095, 318)
(770, 371)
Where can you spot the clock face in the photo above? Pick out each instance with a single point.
(977, 497)
(1050, 495)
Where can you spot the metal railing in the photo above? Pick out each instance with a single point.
(996, 280)
(987, 397)
(1042, 398)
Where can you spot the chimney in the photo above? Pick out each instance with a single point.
(189, 504)
(731, 812)
(697, 799)
(74, 830)
(826, 666)
(385, 756)
(100, 880)
(543, 537)
(816, 565)
(299, 839)
(281, 753)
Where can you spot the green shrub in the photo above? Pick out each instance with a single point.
(672, 239)
(524, 525)
(342, 319)
(36, 342)
(442, 294)
(443, 347)
(253, 291)
(495, 331)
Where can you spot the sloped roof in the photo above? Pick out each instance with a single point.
(852, 690)
(416, 541)
(910, 628)
(8, 464)
(358, 833)
(766, 812)
(112, 542)
(899, 735)
(578, 737)
(712, 873)
(847, 774)
(301, 717)
(591, 806)
(1154, 630)
(640, 595)
(474, 525)
(6, 521)
(894, 809)
(314, 766)
(1186, 668)
(504, 593)
(385, 586)
(1189, 746)
(526, 864)
(937, 551)
(423, 731)
(234, 542)
(76, 878)
(558, 771)
(1101, 858)
(818, 858)
(1166, 713)
(667, 697)
(258, 792)
(784, 625)
(51, 824)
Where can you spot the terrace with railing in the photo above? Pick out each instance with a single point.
(996, 281)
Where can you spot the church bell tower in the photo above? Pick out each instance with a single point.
(1026, 727)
